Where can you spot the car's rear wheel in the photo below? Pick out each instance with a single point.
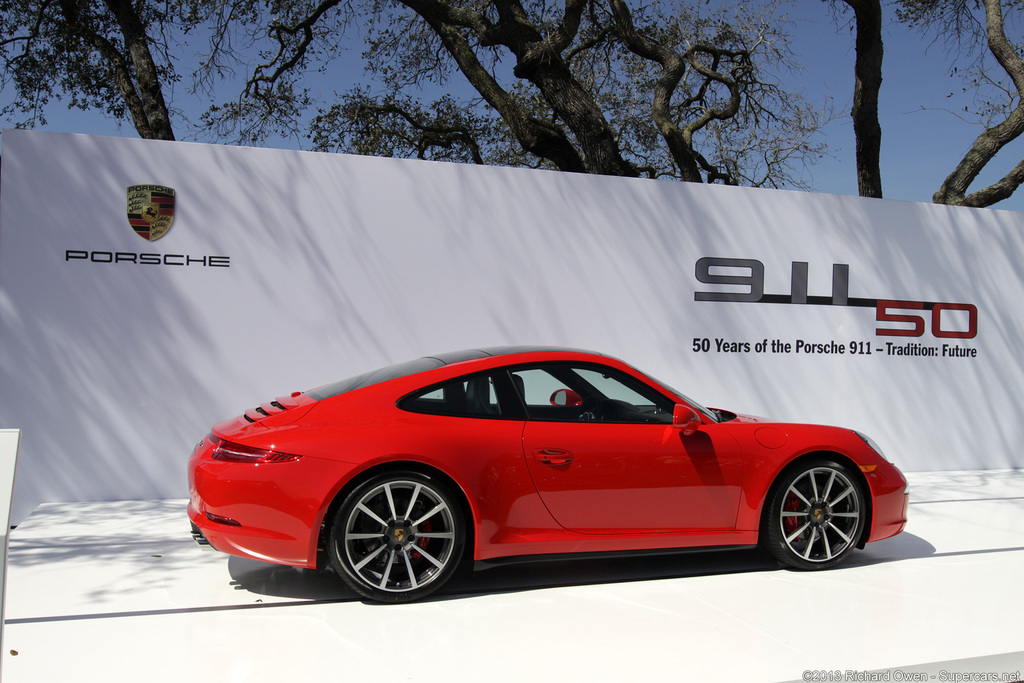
(815, 515)
(397, 537)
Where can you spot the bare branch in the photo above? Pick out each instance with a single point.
(994, 138)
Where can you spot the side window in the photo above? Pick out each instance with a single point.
(536, 386)
(466, 397)
(566, 393)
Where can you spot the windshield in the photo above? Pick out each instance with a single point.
(712, 415)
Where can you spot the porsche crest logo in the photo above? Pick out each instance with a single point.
(150, 210)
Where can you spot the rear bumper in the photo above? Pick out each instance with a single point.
(269, 512)
(260, 542)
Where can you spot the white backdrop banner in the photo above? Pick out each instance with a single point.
(149, 289)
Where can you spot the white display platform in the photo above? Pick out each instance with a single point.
(118, 592)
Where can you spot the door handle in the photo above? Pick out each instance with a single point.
(552, 456)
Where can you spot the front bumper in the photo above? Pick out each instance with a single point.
(891, 499)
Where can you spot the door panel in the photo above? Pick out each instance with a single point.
(603, 478)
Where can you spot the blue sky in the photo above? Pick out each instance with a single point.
(922, 138)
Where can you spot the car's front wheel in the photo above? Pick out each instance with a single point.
(397, 537)
(815, 516)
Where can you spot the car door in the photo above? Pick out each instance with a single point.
(606, 459)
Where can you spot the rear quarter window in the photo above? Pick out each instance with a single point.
(374, 377)
(473, 396)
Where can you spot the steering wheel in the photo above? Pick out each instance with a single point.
(589, 410)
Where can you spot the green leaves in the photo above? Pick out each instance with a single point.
(94, 54)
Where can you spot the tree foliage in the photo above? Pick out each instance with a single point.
(685, 90)
(977, 29)
(596, 86)
(97, 53)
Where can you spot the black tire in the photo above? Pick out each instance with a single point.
(815, 515)
(397, 537)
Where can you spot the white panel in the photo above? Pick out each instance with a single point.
(9, 439)
(339, 264)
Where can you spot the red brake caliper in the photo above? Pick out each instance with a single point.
(791, 524)
(422, 542)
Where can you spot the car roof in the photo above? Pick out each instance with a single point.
(493, 351)
(427, 364)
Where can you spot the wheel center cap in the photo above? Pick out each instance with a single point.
(399, 535)
(820, 513)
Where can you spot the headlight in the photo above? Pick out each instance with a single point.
(871, 443)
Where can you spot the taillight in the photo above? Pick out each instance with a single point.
(236, 452)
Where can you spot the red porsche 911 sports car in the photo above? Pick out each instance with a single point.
(397, 476)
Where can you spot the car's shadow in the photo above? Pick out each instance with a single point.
(324, 586)
(603, 570)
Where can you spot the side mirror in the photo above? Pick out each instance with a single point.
(685, 419)
(566, 397)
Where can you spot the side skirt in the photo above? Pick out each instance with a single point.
(481, 565)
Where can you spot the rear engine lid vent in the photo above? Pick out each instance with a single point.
(280, 405)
